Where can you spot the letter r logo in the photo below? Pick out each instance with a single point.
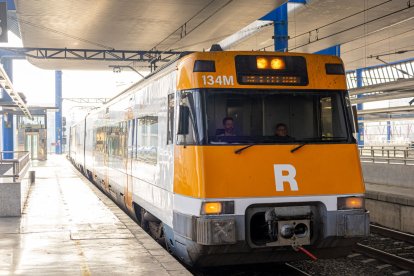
(285, 173)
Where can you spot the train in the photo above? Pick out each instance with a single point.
(193, 154)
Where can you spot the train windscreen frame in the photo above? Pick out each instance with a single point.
(318, 116)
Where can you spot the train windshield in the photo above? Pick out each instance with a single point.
(223, 116)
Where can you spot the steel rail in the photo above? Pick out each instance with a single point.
(406, 237)
(385, 257)
(297, 269)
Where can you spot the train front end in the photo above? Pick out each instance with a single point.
(245, 192)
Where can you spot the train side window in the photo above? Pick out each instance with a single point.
(99, 137)
(191, 100)
(147, 139)
(170, 123)
(332, 121)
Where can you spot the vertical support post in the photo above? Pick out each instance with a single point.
(388, 132)
(7, 124)
(58, 115)
(360, 106)
(281, 28)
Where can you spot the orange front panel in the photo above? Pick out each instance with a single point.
(225, 74)
(217, 172)
(189, 171)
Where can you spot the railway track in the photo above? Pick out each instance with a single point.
(389, 246)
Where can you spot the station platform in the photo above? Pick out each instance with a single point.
(69, 227)
(391, 205)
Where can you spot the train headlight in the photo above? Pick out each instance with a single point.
(210, 208)
(351, 202)
(262, 63)
(277, 64)
(217, 207)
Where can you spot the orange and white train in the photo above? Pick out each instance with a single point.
(159, 149)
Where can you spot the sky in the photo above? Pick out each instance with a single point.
(39, 85)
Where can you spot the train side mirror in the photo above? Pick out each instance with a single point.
(183, 120)
(355, 114)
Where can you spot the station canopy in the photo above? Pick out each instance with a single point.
(179, 25)
(364, 29)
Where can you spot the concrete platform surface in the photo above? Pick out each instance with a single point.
(391, 193)
(69, 227)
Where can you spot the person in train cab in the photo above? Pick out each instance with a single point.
(228, 127)
(282, 132)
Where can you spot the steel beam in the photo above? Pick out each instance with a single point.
(384, 96)
(387, 117)
(94, 54)
(88, 100)
(399, 85)
(388, 110)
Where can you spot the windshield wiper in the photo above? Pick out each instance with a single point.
(238, 151)
(324, 139)
(297, 147)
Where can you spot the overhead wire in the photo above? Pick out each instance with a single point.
(343, 18)
(371, 43)
(353, 27)
(195, 27)
(184, 24)
(345, 30)
(216, 38)
(389, 51)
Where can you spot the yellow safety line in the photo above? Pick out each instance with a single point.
(84, 264)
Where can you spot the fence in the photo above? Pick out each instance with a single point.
(12, 163)
(387, 154)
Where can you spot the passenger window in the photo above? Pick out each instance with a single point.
(192, 101)
(147, 139)
(100, 139)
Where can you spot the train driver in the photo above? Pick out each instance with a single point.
(282, 132)
(228, 127)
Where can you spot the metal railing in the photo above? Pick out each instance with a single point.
(14, 163)
(387, 154)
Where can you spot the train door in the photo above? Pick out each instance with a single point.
(106, 160)
(130, 156)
